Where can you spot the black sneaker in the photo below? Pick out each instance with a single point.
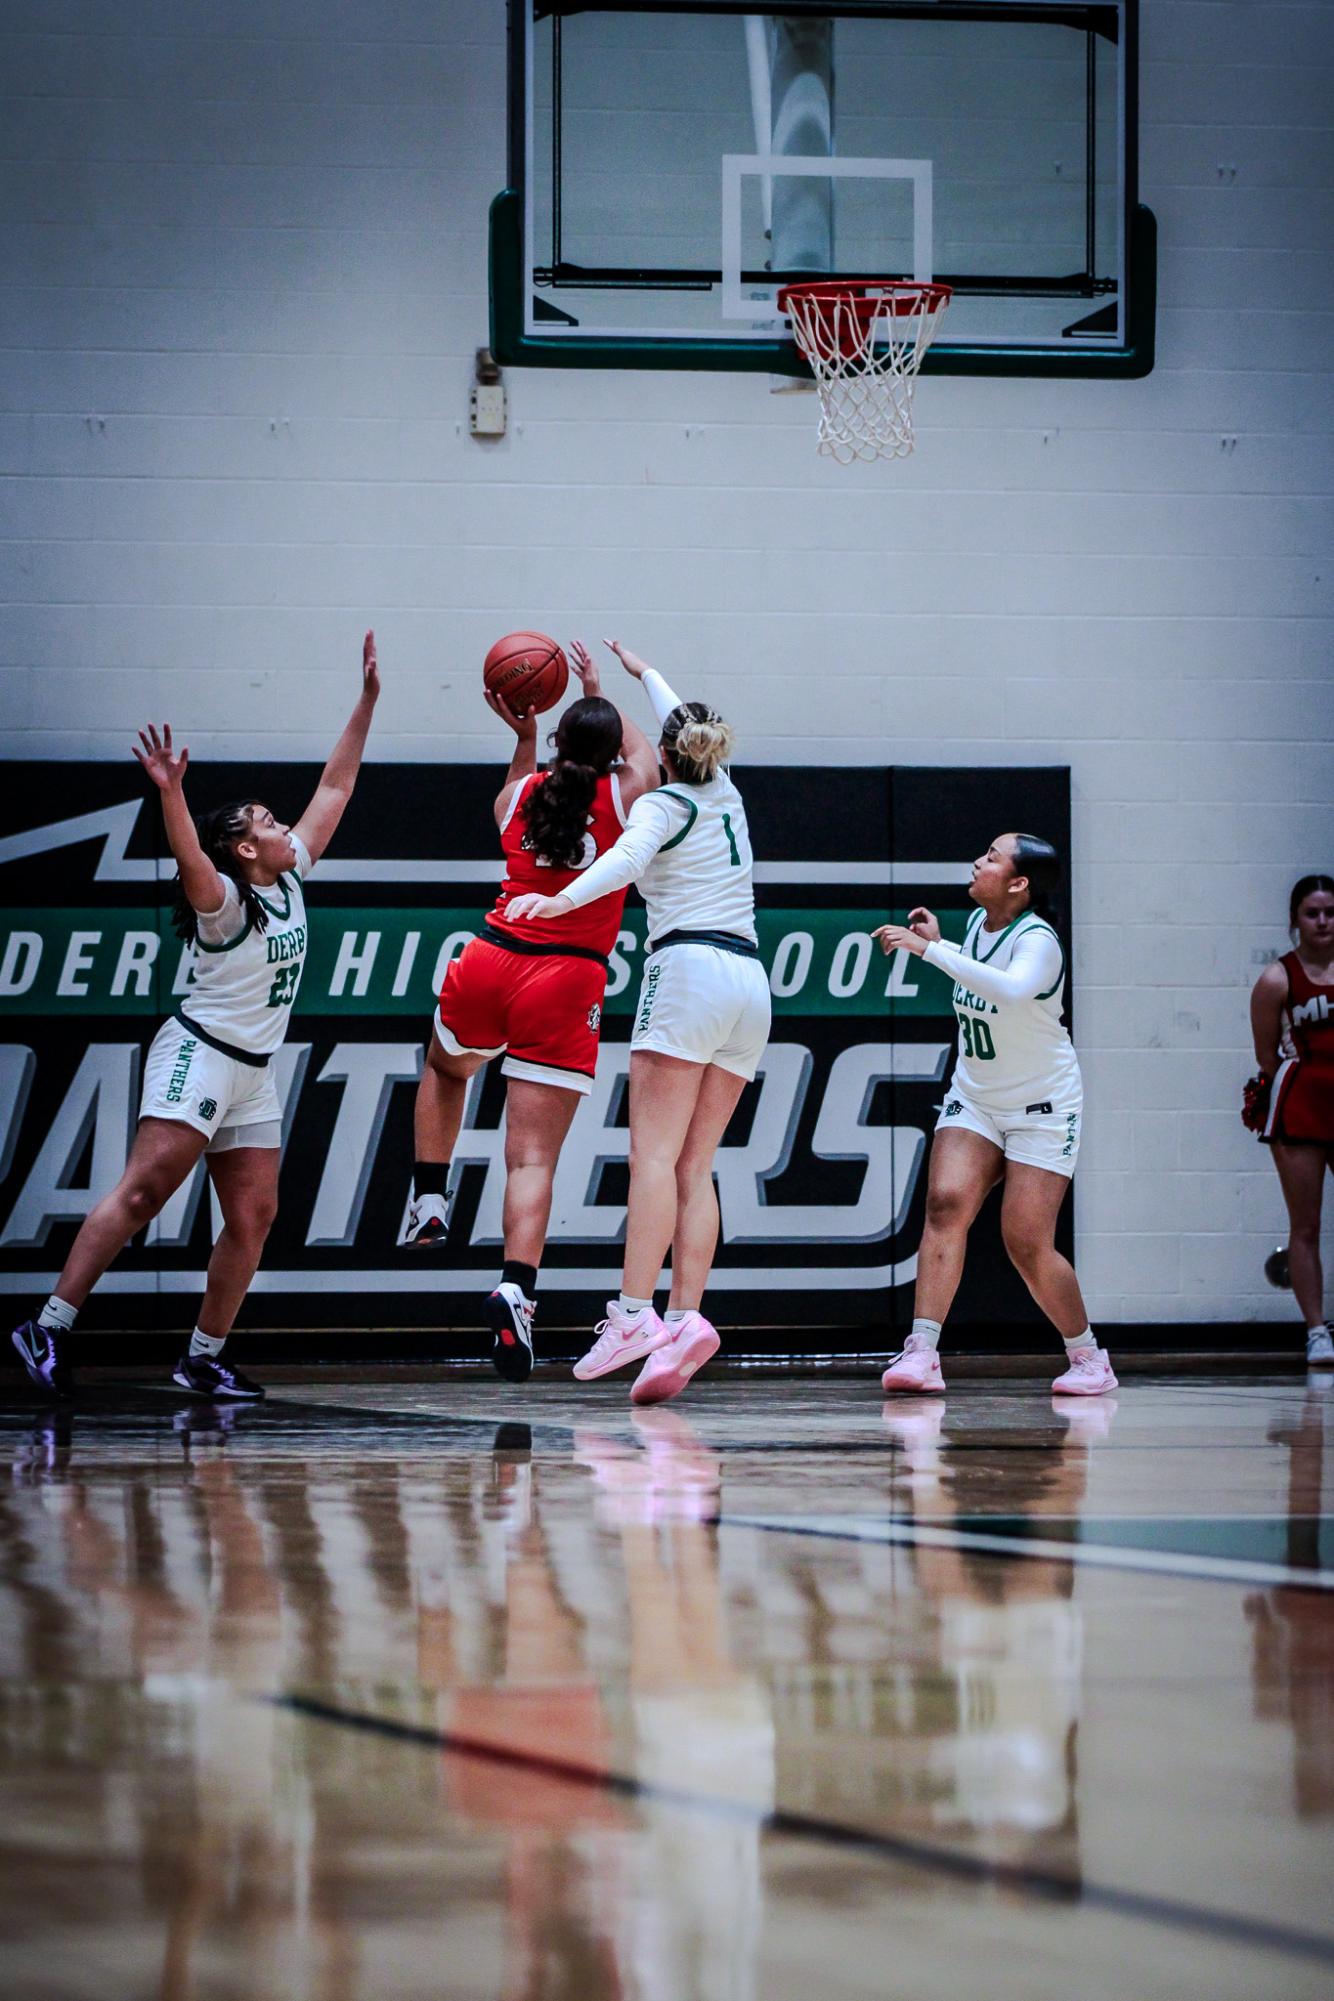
(39, 1350)
(511, 1318)
(204, 1377)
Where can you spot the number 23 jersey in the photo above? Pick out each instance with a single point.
(244, 979)
(1014, 1051)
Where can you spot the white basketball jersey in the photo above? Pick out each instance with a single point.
(1013, 1054)
(245, 979)
(702, 877)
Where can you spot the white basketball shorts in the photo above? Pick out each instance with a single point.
(705, 1005)
(1043, 1134)
(234, 1103)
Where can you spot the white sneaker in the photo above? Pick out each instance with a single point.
(916, 1370)
(689, 1345)
(428, 1223)
(1089, 1375)
(622, 1338)
(1319, 1349)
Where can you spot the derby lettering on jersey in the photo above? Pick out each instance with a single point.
(963, 998)
(287, 945)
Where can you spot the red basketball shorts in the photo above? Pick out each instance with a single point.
(544, 1013)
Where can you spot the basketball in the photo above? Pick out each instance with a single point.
(528, 670)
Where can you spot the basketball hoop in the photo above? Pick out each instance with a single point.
(865, 340)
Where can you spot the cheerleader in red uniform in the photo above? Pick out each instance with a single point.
(1292, 1019)
(531, 992)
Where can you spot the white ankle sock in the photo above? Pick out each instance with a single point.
(205, 1344)
(1088, 1339)
(1316, 1326)
(632, 1306)
(926, 1333)
(675, 1314)
(58, 1314)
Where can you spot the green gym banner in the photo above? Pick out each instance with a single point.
(821, 1177)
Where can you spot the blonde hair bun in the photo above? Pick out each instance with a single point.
(699, 740)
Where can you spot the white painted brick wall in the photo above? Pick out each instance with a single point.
(242, 273)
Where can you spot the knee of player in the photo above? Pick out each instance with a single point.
(1022, 1247)
(144, 1195)
(948, 1209)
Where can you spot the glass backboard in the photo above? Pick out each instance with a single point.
(671, 166)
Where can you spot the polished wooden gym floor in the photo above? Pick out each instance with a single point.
(449, 1689)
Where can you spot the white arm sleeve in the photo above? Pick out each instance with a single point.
(1035, 967)
(647, 826)
(663, 698)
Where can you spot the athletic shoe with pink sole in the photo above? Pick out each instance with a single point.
(622, 1338)
(916, 1372)
(690, 1344)
(1089, 1375)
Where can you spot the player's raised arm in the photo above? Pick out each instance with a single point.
(315, 829)
(524, 761)
(639, 759)
(201, 882)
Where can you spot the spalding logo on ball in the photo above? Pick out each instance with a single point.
(528, 671)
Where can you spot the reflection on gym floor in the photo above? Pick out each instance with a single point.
(382, 1693)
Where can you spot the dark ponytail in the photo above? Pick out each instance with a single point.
(1039, 861)
(217, 831)
(1309, 885)
(587, 742)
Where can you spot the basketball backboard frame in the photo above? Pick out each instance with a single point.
(1111, 310)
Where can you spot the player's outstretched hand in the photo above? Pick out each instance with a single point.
(165, 766)
(630, 661)
(898, 938)
(370, 668)
(524, 726)
(925, 923)
(532, 905)
(586, 667)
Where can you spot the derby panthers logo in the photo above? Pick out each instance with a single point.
(594, 1019)
(953, 1109)
(208, 1108)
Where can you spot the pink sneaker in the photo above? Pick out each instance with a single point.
(1089, 1375)
(622, 1338)
(916, 1370)
(689, 1345)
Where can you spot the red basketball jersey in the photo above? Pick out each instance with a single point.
(594, 927)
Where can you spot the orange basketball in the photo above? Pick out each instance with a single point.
(528, 670)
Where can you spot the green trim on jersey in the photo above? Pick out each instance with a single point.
(230, 944)
(1001, 936)
(286, 911)
(664, 792)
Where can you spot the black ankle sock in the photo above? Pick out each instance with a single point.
(522, 1275)
(429, 1177)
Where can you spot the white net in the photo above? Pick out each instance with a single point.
(865, 344)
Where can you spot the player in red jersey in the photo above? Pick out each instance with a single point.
(530, 991)
(1292, 1018)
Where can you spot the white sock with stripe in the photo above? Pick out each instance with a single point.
(926, 1333)
(57, 1316)
(205, 1344)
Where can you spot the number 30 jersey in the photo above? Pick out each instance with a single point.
(244, 979)
(1014, 1049)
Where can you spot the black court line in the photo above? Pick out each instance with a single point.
(896, 1532)
(1048, 1885)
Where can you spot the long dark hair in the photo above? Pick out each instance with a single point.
(1308, 886)
(587, 742)
(217, 831)
(1039, 861)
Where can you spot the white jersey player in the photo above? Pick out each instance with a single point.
(701, 1025)
(1013, 1109)
(208, 1086)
